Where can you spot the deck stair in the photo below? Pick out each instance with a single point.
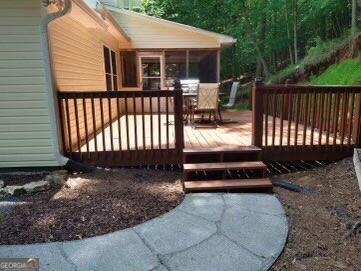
(224, 169)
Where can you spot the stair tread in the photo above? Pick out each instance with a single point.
(228, 184)
(248, 149)
(224, 166)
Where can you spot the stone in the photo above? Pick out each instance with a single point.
(55, 179)
(263, 234)
(38, 186)
(208, 206)
(50, 256)
(74, 182)
(119, 251)
(258, 203)
(175, 231)
(59, 172)
(14, 190)
(215, 254)
(2, 184)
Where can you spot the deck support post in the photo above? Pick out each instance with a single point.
(178, 120)
(257, 114)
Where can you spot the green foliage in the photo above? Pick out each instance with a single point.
(266, 25)
(282, 75)
(346, 73)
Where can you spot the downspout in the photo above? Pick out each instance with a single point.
(50, 81)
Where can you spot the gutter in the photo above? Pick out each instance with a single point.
(50, 81)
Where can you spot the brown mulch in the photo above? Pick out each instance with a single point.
(91, 204)
(321, 219)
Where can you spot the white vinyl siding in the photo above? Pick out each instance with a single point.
(146, 33)
(25, 132)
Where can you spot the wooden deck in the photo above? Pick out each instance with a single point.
(234, 132)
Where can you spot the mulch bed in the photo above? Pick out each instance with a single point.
(90, 205)
(321, 219)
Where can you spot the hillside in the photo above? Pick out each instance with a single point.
(327, 60)
(347, 72)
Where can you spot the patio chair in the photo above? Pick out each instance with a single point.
(207, 101)
(232, 95)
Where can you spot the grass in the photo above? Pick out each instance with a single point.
(347, 72)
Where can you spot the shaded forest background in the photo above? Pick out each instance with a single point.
(273, 35)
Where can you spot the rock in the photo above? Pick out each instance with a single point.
(59, 172)
(74, 182)
(38, 186)
(56, 179)
(14, 190)
(2, 184)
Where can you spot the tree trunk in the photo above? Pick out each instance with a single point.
(295, 31)
(289, 35)
(354, 17)
(354, 48)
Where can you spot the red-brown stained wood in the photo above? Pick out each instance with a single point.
(227, 184)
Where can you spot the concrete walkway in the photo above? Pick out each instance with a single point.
(206, 232)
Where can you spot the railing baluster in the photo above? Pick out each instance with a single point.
(314, 106)
(143, 123)
(352, 102)
(78, 137)
(94, 124)
(274, 119)
(344, 116)
(119, 124)
(336, 119)
(86, 125)
(266, 99)
(305, 121)
(298, 105)
(281, 118)
(159, 123)
(102, 123)
(329, 117)
(127, 121)
(151, 123)
(321, 118)
(289, 119)
(135, 122)
(167, 120)
(110, 123)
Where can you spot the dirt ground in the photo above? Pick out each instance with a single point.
(90, 205)
(321, 220)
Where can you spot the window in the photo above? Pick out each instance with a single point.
(110, 64)
(129, 69)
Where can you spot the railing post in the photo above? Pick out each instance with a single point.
(257, 114)
(178, 119)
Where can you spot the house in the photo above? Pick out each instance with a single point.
(48, 47)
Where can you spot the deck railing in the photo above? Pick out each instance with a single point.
(293, 122)
(123, 128)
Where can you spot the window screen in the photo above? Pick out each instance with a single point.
(203, 66)
(176, 64)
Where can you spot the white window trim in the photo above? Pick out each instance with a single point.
(159, 55)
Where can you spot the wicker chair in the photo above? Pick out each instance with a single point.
(207, 102)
